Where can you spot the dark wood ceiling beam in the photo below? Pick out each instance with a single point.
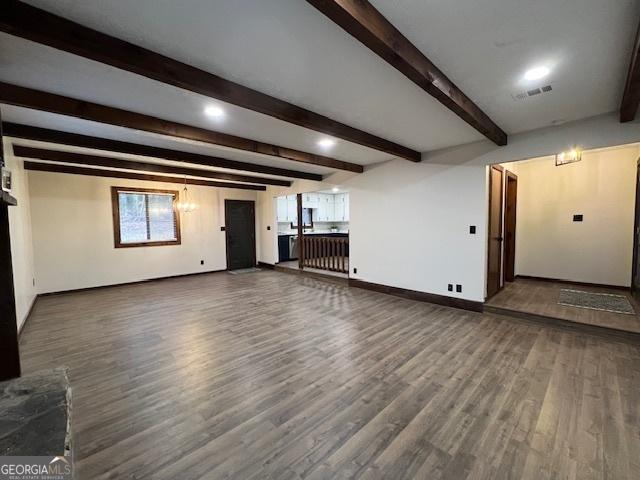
(95, 172)
(27, 132)
(361, 20)
(100, 161)
(631, 95)
(50, 102)
(26, 21)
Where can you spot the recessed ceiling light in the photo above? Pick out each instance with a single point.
(335, 189)
(537, 73)
(214, 111)
(326, 143)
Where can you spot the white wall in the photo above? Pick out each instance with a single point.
(73, 234)
(602, 188)
(409, 222)
(21, 241)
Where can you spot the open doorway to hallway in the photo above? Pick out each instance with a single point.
(561, 238)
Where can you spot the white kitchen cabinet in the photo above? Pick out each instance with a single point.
(325, 208)
(346, 207)
(338, 209)
(310, 200)
(292, 209)
(281, 209)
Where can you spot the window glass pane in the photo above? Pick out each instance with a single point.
(306, 216)
(133, 221)
(161, 218)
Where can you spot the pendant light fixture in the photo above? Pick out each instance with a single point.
(185, 204)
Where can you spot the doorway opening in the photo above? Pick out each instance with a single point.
(561, 239)
(319, 243)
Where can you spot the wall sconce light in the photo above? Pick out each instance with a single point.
(572, 156)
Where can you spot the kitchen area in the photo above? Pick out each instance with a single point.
(325, 220)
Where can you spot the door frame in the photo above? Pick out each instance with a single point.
(501, 220)
(509, 253)
(636, 235)
(252, 203)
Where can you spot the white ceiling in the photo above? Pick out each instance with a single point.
(288, 49)
(485, 46)
(36, 66)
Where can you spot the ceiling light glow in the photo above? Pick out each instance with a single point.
(537, 73)
(335, 189)
(326, 143)
(214, 111)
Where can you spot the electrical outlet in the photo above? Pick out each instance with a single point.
(34, 282)
(450, 287)
(472, 229)
(201, 262)
(355, 270)
(458, 288)
(268, 227)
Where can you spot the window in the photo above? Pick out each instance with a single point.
(145, 217)
(307, 219)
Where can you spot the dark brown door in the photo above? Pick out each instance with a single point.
(240, 222)
(511, 194)
(494, 267)
(635, 277)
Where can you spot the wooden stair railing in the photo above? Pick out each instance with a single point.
(326, 253)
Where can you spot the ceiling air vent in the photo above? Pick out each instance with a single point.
(531, 93)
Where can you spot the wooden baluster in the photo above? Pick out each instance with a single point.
(332, 253)
(328, 240)
(344, 253)
(326, 256)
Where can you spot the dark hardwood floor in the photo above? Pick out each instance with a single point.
(540, 297)
(272, 375)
